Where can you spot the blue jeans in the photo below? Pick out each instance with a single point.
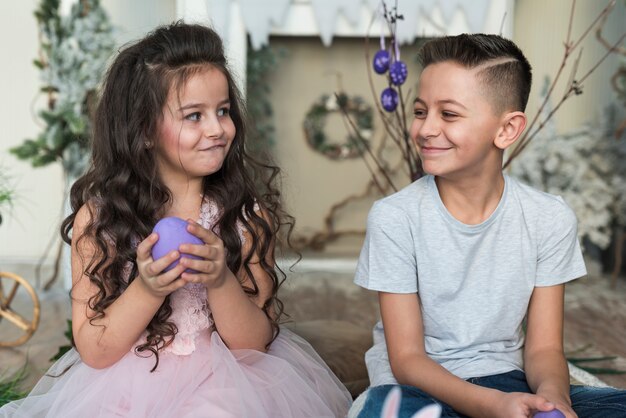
(587, 401)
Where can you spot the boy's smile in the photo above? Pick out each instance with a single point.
(431, 150)
(455, 124)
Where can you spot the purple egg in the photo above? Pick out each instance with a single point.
(381, 61)
(172, 234)
(555, 413)
(389, 99)
(398, 72)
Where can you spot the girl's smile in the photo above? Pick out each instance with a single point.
(216, 146)
(197, 129)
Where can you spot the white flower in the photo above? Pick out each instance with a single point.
(587, 169)
(331, 103)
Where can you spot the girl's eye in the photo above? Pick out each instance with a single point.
(419, 113)
(223, 111)
(448, 115)
(194, 117)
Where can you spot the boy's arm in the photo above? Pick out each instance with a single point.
(404, 334)
(544, 361)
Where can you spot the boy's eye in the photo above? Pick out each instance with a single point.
(194, 117)
(223, 111)
(419, 113)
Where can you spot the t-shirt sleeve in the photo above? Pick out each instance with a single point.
(559, 259)
(387, 260)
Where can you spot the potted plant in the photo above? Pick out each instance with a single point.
(74, 50)
(7, 194)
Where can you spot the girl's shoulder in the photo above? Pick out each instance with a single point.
(86, 214)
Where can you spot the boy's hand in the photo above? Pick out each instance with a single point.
(562, 404)
(566, 409)
(520, 405)
(157, 284)
(211, 268)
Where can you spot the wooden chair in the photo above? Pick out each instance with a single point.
(26, 327)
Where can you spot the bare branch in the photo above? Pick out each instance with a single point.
(617, 49)
(571, 23)
(603, 13)
(609, 52)
(574, 84)
(364, 144)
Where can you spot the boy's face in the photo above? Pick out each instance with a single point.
(455, 125)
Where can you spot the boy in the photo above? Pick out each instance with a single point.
(465, 255)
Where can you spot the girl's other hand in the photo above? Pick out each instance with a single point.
(150, 271)
(211, 268)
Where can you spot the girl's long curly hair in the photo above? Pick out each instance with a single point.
(126, 196)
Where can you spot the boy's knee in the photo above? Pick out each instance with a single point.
(587, 400)
(412, 400)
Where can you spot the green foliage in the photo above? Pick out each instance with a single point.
(74, 52)
(65, 348)
(260, 113)
(358, 137)
(578, 362)
(7, 194)
(10, 387)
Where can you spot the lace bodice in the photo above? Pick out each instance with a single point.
(190, 311)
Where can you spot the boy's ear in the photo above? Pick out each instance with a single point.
(513, 124)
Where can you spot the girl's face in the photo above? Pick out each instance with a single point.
(196, 131)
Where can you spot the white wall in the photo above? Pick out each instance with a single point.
(35, 218)
(26, 230)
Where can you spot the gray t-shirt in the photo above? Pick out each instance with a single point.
(474, 281)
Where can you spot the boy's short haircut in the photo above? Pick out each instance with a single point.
(505, 70)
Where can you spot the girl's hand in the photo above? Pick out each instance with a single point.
(150, 271)
(211, 268)
(520, 405)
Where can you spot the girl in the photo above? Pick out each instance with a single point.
(202, 338)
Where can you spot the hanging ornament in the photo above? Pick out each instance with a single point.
(389, 99)
(397, 69)
(385, 61)
(381, 61)
(398, 72)
(382, 58)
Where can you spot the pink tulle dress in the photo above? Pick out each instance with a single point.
(197, 376)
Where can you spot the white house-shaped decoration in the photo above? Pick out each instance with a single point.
(234, 20)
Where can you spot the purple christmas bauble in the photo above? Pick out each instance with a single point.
(398, 72)
(172, 234)
(381, 61)
(389, 99)
(555, 413)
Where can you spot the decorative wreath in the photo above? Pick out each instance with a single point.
(357, 110)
